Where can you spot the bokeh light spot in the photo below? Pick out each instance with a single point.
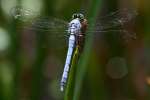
(116, 68)
(7, 5)
(4, 39)
(33, 5)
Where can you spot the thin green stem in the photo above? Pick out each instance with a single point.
(82, 65)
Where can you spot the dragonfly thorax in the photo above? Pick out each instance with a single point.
(74, 26)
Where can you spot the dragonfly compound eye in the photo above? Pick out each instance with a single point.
(78, 15)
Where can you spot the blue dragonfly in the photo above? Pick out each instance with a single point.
(60, 29)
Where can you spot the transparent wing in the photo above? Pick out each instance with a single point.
(35, 22)
(50, 24)
(123, 34)
(32, 22)
(114, 20)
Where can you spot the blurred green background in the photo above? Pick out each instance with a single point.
(111, 67)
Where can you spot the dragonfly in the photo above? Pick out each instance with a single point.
(76, 29)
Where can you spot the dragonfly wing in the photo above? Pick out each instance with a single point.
(115, 23)
(50, 24)
(122, 33)
(115, 19)
(35, 21)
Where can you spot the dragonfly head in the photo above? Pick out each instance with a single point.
(78, 15)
